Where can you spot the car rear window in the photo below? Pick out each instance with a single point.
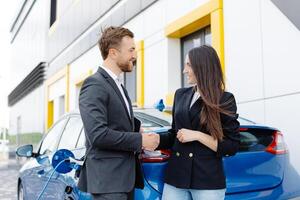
(255, 139)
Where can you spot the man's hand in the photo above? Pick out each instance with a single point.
(150, 141)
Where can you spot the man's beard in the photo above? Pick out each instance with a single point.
(126, 66)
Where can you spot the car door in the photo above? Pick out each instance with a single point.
(68, 141)
(35, 179)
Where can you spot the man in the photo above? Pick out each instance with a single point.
(111, 169)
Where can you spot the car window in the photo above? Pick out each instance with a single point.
(81, 140)
(164, 118)
(255, 140)
(50, 141)
(147, 123)
(71, 133)
(150, 121)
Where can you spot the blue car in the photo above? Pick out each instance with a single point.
(260, 170)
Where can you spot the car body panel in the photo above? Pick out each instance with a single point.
(253, 171)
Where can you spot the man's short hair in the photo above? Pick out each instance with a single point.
(111, 38)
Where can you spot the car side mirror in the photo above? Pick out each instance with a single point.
(25, 151)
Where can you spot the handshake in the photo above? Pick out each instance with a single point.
(150, 141)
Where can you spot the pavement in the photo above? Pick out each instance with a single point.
(8, 179)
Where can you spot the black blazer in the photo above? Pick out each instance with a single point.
(193, 165)
(111, 164)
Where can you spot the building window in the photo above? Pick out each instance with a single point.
(61, 104)
(196, 39)
(53, 12)
(77, 93)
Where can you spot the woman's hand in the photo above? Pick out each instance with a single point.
(186, 135)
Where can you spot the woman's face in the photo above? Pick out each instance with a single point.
(188, 71)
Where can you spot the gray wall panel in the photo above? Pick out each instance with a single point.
(145, 4)
(119, 17)
(70, 25)
(132, 8)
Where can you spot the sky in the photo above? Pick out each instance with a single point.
(7, 13)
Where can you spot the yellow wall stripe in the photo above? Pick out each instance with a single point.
(50, 114)
(140, 73)
(170, 99)
(193, 21)
(217, 32)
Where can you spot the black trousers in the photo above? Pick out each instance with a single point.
(114, 196)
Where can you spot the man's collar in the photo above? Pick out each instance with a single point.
(110, 73)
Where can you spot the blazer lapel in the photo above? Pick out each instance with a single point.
(195, 112)
(130, 104)
(187, 98)
(116, 89)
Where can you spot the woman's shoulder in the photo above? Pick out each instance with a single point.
(183, 90)
(227, 96)
(228, 101)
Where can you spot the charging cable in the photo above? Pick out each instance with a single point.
(42, 192)
(63, 161)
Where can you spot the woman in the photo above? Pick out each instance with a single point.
(204, 129)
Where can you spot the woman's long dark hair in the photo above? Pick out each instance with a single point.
(206, 66)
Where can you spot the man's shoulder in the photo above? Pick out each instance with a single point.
(95, 86)
(95, 78)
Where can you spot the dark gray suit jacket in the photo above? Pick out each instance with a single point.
(111, 164)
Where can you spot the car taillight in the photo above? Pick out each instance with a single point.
(156, 156)
(243, 129)
(278, 145)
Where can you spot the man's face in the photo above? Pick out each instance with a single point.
(126, 55)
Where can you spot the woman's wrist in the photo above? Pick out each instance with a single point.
(207, 140)
(199, 136)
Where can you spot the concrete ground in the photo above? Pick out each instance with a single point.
(8, 179)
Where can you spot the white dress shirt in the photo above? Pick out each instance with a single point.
(118, 83)
(194, 99)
